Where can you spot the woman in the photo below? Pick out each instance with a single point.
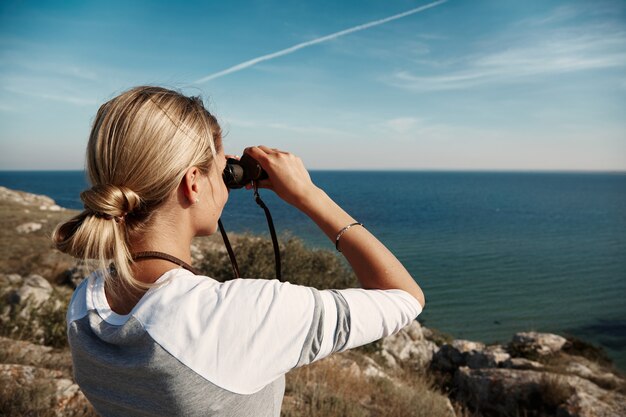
(149, 337)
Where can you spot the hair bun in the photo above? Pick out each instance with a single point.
(110, 201)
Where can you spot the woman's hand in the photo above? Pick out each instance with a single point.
(288, 177)
(373, 264)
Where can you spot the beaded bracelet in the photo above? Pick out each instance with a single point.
(344, 230)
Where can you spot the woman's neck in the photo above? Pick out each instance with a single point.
(165, 237)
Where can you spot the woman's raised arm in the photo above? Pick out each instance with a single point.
(374, 265)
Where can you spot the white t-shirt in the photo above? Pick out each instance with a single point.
(196, 346)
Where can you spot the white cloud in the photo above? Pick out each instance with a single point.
(300, 129)
(51, 94)
(402, 125)
(37, 73)
(559, 14)
(534, 53)
(412, 129)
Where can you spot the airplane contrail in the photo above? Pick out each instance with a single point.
(292, 49)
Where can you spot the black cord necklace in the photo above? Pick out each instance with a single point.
(167, 257)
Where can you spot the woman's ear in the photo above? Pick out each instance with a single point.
(190, 185)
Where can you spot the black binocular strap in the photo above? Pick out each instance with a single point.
(229, 249)
(270, 223)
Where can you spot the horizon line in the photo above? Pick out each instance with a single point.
(513, 170)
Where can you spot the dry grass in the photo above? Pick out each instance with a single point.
(558, 364)
(577, 347)
(576, 350)
(31, 253)
(325, 389)
(30, 400)
(554, 392)
(34, 400)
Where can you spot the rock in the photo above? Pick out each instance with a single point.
(509, 391)
(372, 369)
(523, 363)
(489, 392)
(593, 373)
(15, 279)
(388, 359)
(28, 227)
(536, 343)
(408, 346)
(10, 280)
(495, 391)
(492, 383)
(52, 207)
(467, 353)
(491, 357)
(25, 198)
(36, 290)
(26, 353)
(583, 404)
(447, 359)
(465, 346)
(589, 400)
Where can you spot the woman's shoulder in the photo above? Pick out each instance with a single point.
(189, 290)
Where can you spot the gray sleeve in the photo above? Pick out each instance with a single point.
(313, 341)
(345, 319)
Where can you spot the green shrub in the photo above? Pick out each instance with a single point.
(44, 325)
(317, 268)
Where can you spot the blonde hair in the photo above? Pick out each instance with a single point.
(141, 144)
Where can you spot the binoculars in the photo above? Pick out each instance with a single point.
(239, 173)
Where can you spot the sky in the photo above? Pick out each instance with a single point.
(496, 85)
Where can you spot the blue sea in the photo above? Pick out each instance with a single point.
(495, 252)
